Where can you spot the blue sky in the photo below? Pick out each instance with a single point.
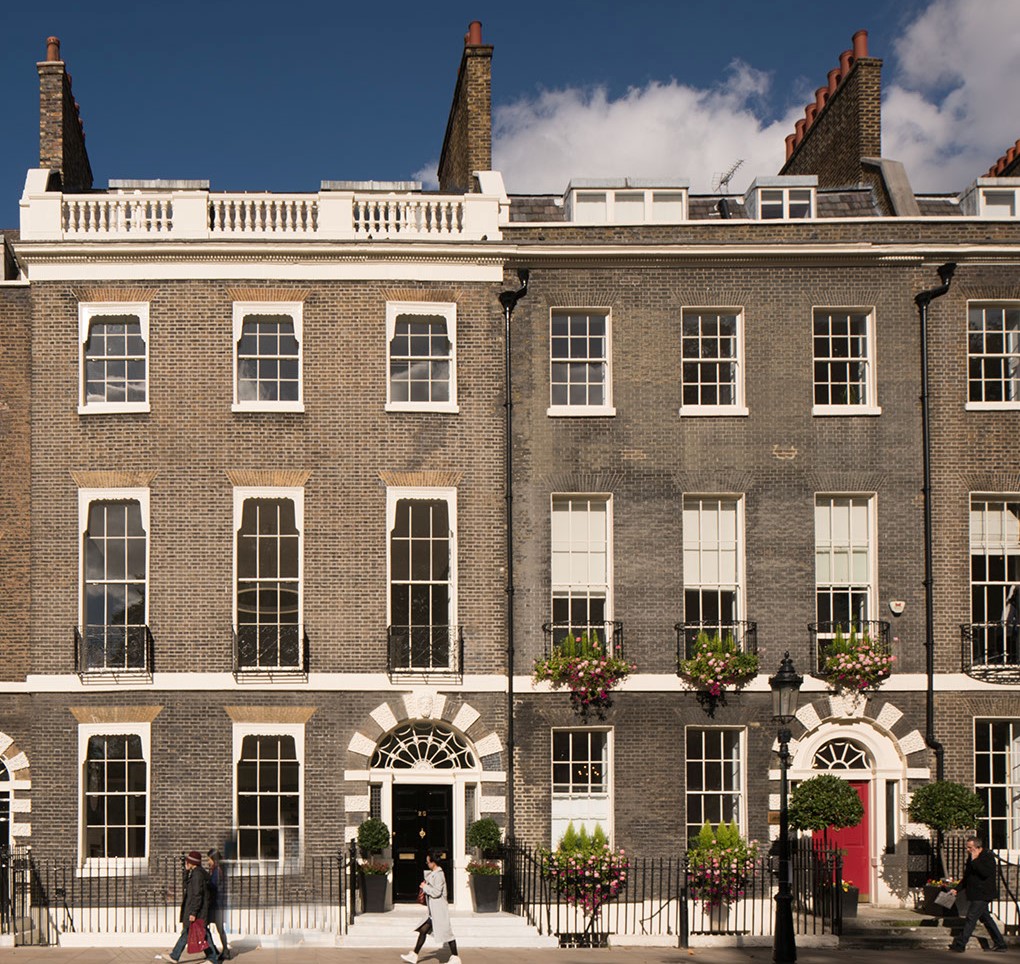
(260, 96)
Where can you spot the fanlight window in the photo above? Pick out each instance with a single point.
(842, 755)
(423, 746)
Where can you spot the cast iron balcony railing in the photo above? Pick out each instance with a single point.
(113, 651)
(424, 650)
(743, 632)
(824, 634)
(270, 650)
(608, 632)
(991, 649)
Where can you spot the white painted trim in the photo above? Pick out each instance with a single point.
(296, 494)
(580, 411)
(713, 411)
(86, 497)
(610, 828)
(296, 730)
(244, 309)
(740, 405)
(395, 494)
(87, 311)
(845, 410)
(742, 819)
(448, 310)
(114, 866)
(991, 407)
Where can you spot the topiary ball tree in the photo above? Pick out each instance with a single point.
(822, 802)
(373, 837)
(945, 805)
(484, 834)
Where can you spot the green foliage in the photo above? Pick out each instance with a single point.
(825, 801)
(720, 863)
(373, 837)
(581, 664)
(485, 835)
(718, 663)
(584, 869)
(945, 805)
(855, 663)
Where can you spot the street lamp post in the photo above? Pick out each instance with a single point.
(785, 689)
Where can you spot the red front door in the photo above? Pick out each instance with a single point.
(853, 841)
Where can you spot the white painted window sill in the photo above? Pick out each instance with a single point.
(580, 411)
(267, 407)
(825, 411)
(992, 407)
(113, 408)
(713, 411)
(447, 408)
(114, 867)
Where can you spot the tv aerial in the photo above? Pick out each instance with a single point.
(721, 182)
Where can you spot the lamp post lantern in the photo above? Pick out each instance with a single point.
(785, 689)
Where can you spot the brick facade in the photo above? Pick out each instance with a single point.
(467, 146)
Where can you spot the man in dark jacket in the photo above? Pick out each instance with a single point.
(194, 905)
(980, 878)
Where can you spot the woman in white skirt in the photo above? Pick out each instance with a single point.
(438, 921)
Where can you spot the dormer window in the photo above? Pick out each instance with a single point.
(999, 204)
(994, 198)
(626, 201)
(783, 198)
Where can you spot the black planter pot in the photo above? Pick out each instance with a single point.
(485, 888)
(850, 898)
(931, 891)
(373, 893)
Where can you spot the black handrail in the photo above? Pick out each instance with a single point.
(115, 649)
(419, 650)
(991, 646)
(743, 632)
(270, 650)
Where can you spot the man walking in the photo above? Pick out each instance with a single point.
(194, 905)
(980, 878)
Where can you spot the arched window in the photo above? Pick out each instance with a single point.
(423, 746)
(842, 755)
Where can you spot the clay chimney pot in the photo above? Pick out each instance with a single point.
(790, 138)
(1010, 156)
(860, 42)
(474, 34)
(846, 60)
(53, 48)
(799, 128)
(834, 79)
(821, 96)
(809, 115)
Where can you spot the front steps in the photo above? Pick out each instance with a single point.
(395, 929)
(891, 928)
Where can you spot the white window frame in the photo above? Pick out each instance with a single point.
(562, 801)
(395, 494)
(657, 203)
(85, 498)
(114, 866)
(446, 309)
(996, 406)
(1010, 783)
(603, 497)
(993, 212)
(739, 406)
(741, 587)
(297, 495)
(760, 200)
(585, 411)
(89, 310)
(869, 405)
(290, 862)
(295, 309)
(872, 587)
(742, 805)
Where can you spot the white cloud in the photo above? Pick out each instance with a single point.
(951, 108)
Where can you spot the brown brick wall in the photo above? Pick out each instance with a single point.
(15, 513)
(61, 136)
(467, 146)
(848, 128)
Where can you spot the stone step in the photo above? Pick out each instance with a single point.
(396, 929)
(891, 930)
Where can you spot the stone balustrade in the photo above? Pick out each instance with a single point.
(150, 215)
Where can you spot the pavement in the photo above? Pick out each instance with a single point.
(300, 954)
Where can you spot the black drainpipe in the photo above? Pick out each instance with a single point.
(922, 300)
(509, 299)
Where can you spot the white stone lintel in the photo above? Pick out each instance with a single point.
(384, 716)
(889, 716)
(912, 742)
(361, 745)
(489, 745)
(465, 718)
(808, 716)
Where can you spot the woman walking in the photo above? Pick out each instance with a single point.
(438, 921)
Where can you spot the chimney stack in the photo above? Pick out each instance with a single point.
(61, 133)
(467, 146)
(847, 121)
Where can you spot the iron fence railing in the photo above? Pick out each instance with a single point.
(609, 634)
(271, 650)
(990, 648)
(743, 632)
(113, 650)
(824, 634)
(949, 860)
(50, 896)
(659, 898)
(421, 650)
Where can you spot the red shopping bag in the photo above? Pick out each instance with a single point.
(197, 940)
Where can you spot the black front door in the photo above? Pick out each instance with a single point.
(422, 820)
